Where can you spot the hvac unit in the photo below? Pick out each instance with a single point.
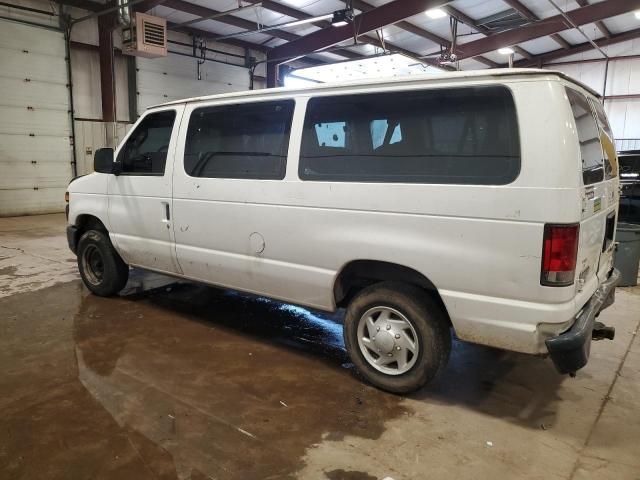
(146, 37)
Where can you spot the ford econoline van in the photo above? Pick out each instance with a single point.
(481, 204)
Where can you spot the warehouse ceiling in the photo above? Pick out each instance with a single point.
(468, 31)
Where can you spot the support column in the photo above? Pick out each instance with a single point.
(272, 75)
(107, 68)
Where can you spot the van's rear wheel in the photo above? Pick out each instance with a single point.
(397, 337)
(101, 268)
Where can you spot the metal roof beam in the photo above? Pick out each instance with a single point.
(387, 14)
(467, 20)
(547, 26)
(238, 22)
(601, 26)
(236, 42)
(528, 14)
(545, 58)
(418, 31)
(300, 15)
(84, 5)
(147, 5)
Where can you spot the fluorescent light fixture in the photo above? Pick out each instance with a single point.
(308, 20)
(436, 13)
(505, 50)
(637, 14)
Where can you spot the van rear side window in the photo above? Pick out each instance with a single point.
(588, 136)
(456, 136)
(239, 141)
(607, 141)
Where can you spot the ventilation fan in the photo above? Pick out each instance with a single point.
(145, 37)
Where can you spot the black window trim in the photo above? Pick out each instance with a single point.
(295, 106)
(133, 129)
(505, 86)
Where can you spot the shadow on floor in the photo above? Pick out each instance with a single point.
(519, 388)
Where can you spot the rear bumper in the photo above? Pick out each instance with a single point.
(570, 350)
(72, 237)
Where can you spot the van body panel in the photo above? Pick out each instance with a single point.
(88, 196)
(480, 245)
(140, 209)
(599, 199)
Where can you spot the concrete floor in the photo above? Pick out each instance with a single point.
(176, 380)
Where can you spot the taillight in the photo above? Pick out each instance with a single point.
(559, 253)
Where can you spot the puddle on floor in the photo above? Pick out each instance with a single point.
(173, 380)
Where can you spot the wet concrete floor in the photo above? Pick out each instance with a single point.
(176, 380)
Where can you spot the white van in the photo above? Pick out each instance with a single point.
(479, 202)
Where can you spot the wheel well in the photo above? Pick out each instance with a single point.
(89, 222)
(359, 274)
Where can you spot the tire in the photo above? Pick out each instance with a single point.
(406, 313)
(101, 268)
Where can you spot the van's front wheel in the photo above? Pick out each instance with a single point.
(397, 337)
(101, 268)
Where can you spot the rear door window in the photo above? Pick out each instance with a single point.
(607, 141)
(457, 136)
(589, 138)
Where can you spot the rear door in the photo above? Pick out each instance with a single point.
(611, 189)
(596, 195)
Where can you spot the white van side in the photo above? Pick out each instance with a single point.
(483, 202)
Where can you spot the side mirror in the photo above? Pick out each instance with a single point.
(103, 161)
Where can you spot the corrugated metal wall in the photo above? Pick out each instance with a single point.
(35, 125)
(173, 77)
(623, 78)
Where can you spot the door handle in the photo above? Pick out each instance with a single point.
(167, 212)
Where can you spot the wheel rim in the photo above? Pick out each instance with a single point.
(93, 265)
(388, 341)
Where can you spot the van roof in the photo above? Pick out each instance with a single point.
(407, 79)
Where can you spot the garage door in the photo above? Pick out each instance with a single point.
(174, 77)
(35, 128)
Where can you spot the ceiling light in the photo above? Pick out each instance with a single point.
(295, 23)
(637, 14)
(342, 17)
(436, 13)
(505, 51)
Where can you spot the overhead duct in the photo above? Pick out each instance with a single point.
(124, 13)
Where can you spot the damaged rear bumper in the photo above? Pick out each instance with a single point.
(570, 350)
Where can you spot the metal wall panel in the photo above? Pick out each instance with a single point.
(173, 77)
(35, 130)
(89, 137)
(87, 94)
(623, 78)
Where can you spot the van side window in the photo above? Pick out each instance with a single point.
(457, 135)
(589, 137)
(145, 151)
(607, 141)
(239, 141)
